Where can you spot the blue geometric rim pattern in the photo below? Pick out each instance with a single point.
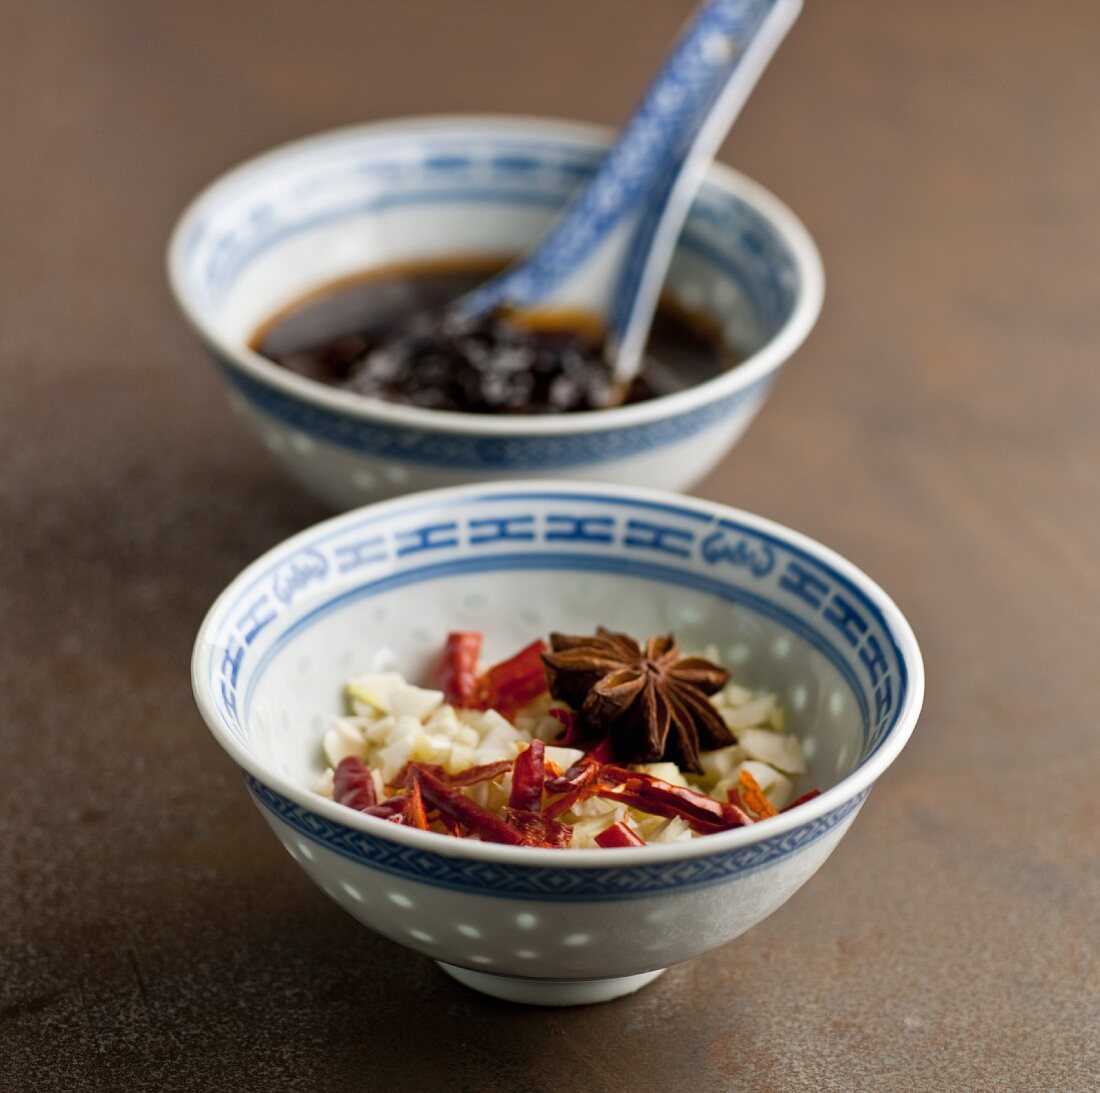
(509, 170)
(586, 564)
(566, 531)
(544, 882)
(454, 450)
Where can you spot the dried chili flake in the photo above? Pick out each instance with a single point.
(413, 815)
(752, 796)
(456, 673)
(571, 734)
(538, 829)
(450, 802)
(661, 806)
(468, 777)
(583, 770)
(564, 803)
(618, 835)
(386, 809)
(528, 775)
(737, 814)
(486, 772)
(510, 685)
(352, 784)
(650, 794)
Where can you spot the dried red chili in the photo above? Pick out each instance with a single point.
(649, 794)
(477, 820)
(803, 799)
(508, 686)
(386, 810)
(468, 777)
(571, 734)
(413, 815)
(618, 835)
(528, 775)
(486, 772)
(538, 829)
(584, 770)
(352, 784)
(752, 796)
(569, 799)
(456, 674)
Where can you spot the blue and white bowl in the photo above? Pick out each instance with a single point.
(317, 210)
(516, 561)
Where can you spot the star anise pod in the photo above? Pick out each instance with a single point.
(653, 704)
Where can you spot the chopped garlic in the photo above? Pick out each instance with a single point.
(778, 750)
(657, 829)
(395, 754)
(564, 757)
(429, 749)
(752, 713)
(535, 716)
(343, 739)
(442, 719)
(414, 701)
(733, 694)
(594, 806)
(546, 729)
(492, 722)
(461, 757)
(374, 688)
(721, 762)
(669, 772)
(585, 830)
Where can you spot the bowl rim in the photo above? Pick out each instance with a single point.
(849, 787)
(765, 360)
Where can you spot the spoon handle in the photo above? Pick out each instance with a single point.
(653, 238)
(598, 254)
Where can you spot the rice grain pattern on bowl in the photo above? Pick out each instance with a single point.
(527, 923)
(372, 196)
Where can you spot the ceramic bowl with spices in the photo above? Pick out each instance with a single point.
(384, 217)
(532, 923)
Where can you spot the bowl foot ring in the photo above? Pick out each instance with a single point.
(549, 992)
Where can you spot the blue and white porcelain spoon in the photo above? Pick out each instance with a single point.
(607, 254)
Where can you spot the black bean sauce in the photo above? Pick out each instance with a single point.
(387, 335)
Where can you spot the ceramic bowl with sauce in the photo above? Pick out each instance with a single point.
(515, 561)
(462, 191)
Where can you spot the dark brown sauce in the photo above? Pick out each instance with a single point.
(383, 334)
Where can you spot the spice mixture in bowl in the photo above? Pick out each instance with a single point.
(303, 272)
(590, 741)
(341, 673)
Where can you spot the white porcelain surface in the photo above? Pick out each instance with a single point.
(550, 992)
(516, 561)
(336, 204)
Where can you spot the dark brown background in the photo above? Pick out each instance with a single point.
(940, 428)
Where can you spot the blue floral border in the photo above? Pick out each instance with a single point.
(543, 882)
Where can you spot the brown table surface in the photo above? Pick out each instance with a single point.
(940, 428)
